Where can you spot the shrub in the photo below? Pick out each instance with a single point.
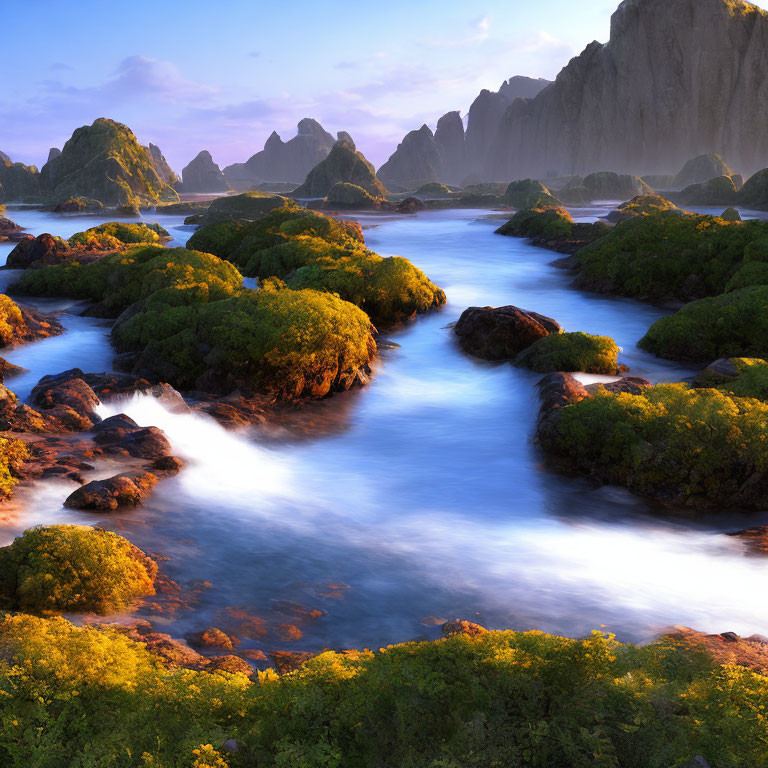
(120, 232)
(73, 568)
(668, 255)
(284, 343)
(120, 279)
(734, 324)
(571, 352)
(696, 446)
(13, 453)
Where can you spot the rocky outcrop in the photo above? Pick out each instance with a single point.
(20, 324)
(415, 162)
(42, 250)
(53, 153)
(449, 139)
(501, 333)
(247, 206)
(603, 185)
(10, 230)
(754, 193)
(104, 161)
(203, 175)
(128, 489)
(160, 164)
(676, 76)
(700, 169)
(285, 161)
(351, 197)
(720, 191)
(343, 164)
(18, 182)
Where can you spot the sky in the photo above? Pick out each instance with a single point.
(197, 74)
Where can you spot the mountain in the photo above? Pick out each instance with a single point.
(105, 162)
(450, 155)
(284, 161)
(203, 175)
(18, 181)
(343, 164)
(677, 78)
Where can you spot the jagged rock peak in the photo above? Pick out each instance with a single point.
(203, 175)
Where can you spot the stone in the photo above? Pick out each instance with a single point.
(160, 164)
(128, 489)
(460, 627)
(501, 333)
(212, 638)
(700, 169)
(416, 161)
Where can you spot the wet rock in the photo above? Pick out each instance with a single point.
(254, 654)
(632, 385)
(756, 539)
(120, 434)
(289, 661)
(25, 325)
(9, 370)
(212, 638)
(78, 204)
(128, 489)
(234, 410)
(501, 333)
(288, 633)
(410, 205)
(230, 663)
(556, 390)
(67, 389)
(460, 627)
(231, 746)
(10, 230)
(167, 465)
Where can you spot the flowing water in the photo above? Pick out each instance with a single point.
(421, 497)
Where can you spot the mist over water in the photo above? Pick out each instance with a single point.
(422, 495)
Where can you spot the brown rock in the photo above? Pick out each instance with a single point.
(129, 489)
(212, 638)
(289, 661)
(633, 385)
(501, 333)
(230, 663)
(459, 627)
(120, 435)
(41, 251)
(727, 648)
(289, 632)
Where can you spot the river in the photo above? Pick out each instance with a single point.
(420, 498)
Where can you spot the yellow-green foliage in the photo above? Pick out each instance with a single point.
(546, 223)
(571, 352)
(13, 453)
(668, 255)
(326, 254)
(11, 320)
(117, 231)
(89, 697)
(284, 343)
(686, 445)
(644, 205)
(733, 324)
(752, 380)
(120, 279)
(73, 568)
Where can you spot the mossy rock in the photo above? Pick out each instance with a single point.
(18, 182)
(433, 190)
(720, 190)
(701, 169)
(642, 205)
(544, 223)
(695, 447)
(105, 162)
(754, 193)
(247, 206)
(350, 196)
(120, 279)
(528, 193)
(78, 205)
(104, 235)
(666, 256)
(571, 352)
(286, 344)
(73, 568)
(343, 164)
(606, 185)
(733, 324)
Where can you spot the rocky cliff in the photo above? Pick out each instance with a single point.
(161, 166)
(677, 78)
(284, 161)
(203, 175)
(450, 155)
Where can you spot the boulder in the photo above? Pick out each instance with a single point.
(203, 175)
(248, 206)
(700, 169)
(528, 193)
(351, 197)
(78, 205)
(41, 251)
(717, 191)
(501, 333)
(120, 435)
(212, 638)
(10, 230)
(460, 627)
(20, 324)
(128, 489)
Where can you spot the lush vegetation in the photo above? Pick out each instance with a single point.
(284, 343)
(645, 205)
(345, 195)
(13, 454)
(116, 233)
(571, 352)
(697, 446)
(312, 250)
(244, 207)
(749, 378)
(92, 698)
(734, 324)
(73, 568)
(120, 279)
(544, 223)
(672, 256)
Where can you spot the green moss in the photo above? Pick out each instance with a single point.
(720, 190)
(696, 446)
(644, 205)
(528, 193)
(666, 255)
(120, 279)
(433, 189)
(344, 195)
(122, 233)
(73, 568)
(571, 352)
(287, 344)
(731, 325)
(750, 381)
(544, 223)
(247, 206)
